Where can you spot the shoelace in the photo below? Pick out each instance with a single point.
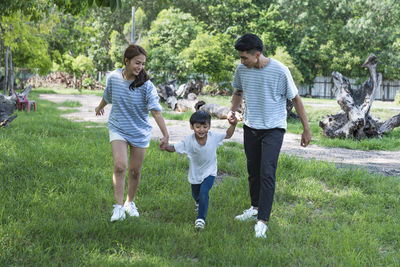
(132, 205)
(248, 210)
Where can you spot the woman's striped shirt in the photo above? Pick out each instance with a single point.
(129, 115)
(265, 92)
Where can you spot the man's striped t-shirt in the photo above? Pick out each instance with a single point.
(129, 115)
(265, 92)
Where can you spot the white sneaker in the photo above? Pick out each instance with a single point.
(248, 214)
(260, 229)
(118, 213)
(199, 223)
(131, 209)
(196, 205)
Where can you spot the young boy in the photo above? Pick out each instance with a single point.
(201, 149)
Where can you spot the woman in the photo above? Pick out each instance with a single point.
(132, 96)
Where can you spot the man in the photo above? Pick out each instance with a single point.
(264, 84)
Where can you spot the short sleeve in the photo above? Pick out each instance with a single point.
(107, 94)
(291, 88)
(181, 147)
(219, 137)
(152, 97)
(236, 81)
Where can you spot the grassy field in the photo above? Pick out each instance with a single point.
(56, 199)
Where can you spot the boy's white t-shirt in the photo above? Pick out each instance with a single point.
(202, 159)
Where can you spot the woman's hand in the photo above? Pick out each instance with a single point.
(99, 111)
(164, 143)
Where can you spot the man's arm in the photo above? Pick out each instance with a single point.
(298, 105)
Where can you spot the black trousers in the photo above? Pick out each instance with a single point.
(262, 148)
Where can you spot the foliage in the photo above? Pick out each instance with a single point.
(26, 42)
(82, 65)
(140, 26)
(321, 36)
(397, 97)
(283, 56)
(169, 34)
(117, 49)
(205, 55)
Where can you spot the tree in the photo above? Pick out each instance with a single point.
(283, 56)
(168, 36)
(205, 55)
(25, 46)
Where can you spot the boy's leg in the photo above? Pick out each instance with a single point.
(271, 146)
(204, 196)
(252, 148)
(196, 192)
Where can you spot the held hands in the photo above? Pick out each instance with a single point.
(232, 118)
(163, 143)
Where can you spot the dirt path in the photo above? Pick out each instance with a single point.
(386, 162)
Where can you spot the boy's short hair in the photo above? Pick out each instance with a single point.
(201, 117)
(249, 42)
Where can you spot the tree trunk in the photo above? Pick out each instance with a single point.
(11, 88)
(5, 84)
(133, 26)
(354, 121)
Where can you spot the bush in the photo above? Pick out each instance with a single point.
(397, 97)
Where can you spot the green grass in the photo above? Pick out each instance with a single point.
(56, 198)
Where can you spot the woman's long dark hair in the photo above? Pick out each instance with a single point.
(131, 52)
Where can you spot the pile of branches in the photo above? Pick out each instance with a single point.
(62, 79)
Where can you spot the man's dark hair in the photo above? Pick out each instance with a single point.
(201, 117)
(249, 42)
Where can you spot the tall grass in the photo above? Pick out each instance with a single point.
(56, 198)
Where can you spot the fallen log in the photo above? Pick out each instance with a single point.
(7, 121)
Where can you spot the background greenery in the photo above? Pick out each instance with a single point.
(194, 38)
(56, 196)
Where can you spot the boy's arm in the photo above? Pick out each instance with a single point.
(232, 126)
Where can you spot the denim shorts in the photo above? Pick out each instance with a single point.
(115, 136)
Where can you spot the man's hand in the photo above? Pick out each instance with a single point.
(232, 119)
(305, 138)
(231, 116)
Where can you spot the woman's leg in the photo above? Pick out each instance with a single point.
(204, 196)
(119, 150)
(136, 159)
